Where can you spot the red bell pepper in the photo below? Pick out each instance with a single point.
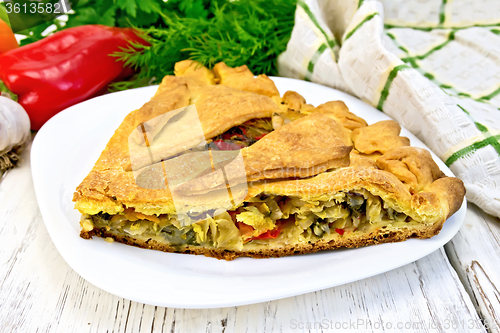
(65, 68)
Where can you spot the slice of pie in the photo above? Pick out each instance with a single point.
(217, 163)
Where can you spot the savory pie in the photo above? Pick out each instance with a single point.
(218, 163)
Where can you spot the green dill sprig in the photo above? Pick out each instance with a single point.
(238, 32)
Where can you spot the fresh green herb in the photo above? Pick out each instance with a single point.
(238, 32)
(38, 32)
(5, 90)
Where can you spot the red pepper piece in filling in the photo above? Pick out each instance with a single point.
(245, 229)
(243, 130)
(268, 234)
(340, 231)
(280, 225)
(64, 69)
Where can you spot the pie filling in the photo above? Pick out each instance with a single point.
(242, 136)
(262, 221)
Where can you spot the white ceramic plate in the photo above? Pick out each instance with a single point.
(67, 147)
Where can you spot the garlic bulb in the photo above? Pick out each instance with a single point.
(14, 131)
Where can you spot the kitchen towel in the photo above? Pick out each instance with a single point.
(432, 65)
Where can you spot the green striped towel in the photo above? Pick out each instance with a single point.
(433, 65)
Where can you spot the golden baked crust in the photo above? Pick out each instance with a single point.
(342, 114)
(413, 166)
(291, 151)
(292, 100)
(242, 78)
(193, 69)
(325, 160)
(218, 108)
(378, 137)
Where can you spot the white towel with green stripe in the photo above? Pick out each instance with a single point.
(432, 65)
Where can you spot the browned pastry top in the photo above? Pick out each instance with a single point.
(334, 150)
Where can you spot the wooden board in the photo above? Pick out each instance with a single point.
(475, 254)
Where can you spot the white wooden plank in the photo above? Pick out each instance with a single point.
(40, 292)
(475, 254)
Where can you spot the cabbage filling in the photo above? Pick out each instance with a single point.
(263, 220)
